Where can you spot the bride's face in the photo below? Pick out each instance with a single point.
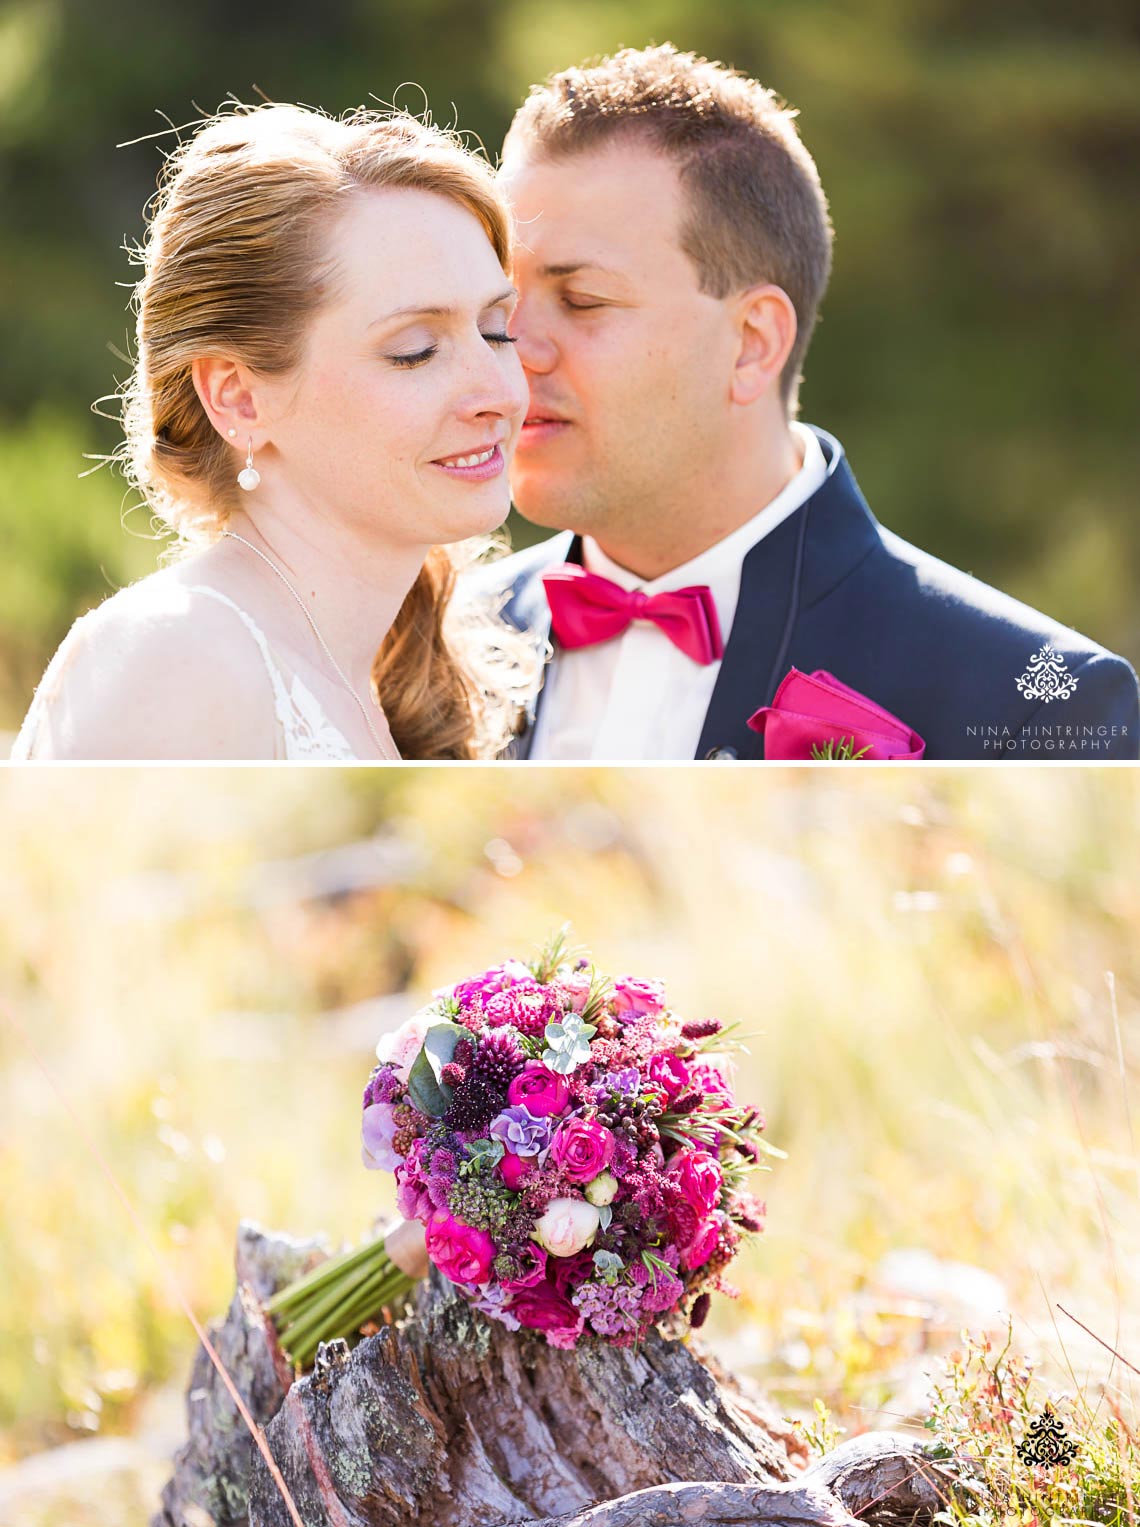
(407, 380)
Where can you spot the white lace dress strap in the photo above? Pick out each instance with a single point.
(306, 732)
(303, 729)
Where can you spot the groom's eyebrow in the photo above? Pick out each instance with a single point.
(574, 266)
(417, 311)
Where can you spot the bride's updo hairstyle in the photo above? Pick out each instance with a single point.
(234, 265)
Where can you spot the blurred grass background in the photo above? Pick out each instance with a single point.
(205, 958)
(977, 351)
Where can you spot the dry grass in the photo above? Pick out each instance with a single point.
(924, 956)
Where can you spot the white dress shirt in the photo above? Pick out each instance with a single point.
(638, 696)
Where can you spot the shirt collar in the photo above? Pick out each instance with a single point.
(718, 566)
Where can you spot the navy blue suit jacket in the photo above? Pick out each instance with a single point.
(831, 588)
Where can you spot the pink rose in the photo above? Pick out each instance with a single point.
(699, 1177)
(412, 1197)
(400, 1047)
(702, 1246)
(543, 1308)
(583, 1149)
(669, 1073)
(540, 1090)
(574, 989)
(513, 1169)
(633, 998)
(812, 709)
(461, 1253)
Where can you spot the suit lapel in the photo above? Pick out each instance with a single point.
(837, 530)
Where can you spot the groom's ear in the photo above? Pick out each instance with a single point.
(766, 328)
(225, 390)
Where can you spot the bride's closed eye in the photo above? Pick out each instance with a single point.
(418, 358)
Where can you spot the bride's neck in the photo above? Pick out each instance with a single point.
(352, 582)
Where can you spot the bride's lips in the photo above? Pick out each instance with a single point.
(540, 426)
(473, 466)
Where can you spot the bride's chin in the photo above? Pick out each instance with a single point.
(479, 519)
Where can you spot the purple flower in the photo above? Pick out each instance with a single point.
(625, 1083)
(521, 1133)
(493, 1300)
(384, 1086)
(378, 1128)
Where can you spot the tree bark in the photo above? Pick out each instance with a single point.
(452, 1420)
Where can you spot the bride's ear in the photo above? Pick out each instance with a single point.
(766, 326)
(225, 390)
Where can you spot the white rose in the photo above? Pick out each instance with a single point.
(568, 1225)
(400, 1047)
(602, 1189)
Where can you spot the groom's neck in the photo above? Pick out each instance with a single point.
(685, 524)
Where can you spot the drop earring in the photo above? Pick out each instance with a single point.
(249, 476)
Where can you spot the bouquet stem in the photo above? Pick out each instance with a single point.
(347, 1291)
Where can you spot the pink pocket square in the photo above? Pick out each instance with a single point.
(811, 710)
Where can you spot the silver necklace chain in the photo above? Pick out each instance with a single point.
(385, 749)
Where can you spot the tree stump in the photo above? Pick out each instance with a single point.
(451, 1420)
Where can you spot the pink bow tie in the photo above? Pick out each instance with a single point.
(585, 608)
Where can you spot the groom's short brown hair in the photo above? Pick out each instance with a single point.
(757, 212)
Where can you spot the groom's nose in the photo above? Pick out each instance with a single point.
(535, 348)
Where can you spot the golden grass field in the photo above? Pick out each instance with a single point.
(940, 967)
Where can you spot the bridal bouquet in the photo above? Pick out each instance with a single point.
(567, 1151)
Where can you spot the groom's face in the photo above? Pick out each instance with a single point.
(628, 361)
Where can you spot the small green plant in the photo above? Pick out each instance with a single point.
(841, 749)
(995, 1420)
(822, 1434)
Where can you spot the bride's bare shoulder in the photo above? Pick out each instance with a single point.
(162, 670)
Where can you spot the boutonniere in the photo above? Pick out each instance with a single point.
(816, 716)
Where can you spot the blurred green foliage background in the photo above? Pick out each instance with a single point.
(977, 353)
(939, 967)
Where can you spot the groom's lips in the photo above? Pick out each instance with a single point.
(539, 426)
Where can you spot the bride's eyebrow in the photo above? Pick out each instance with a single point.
(416, 311)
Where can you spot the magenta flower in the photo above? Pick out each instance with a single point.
(699, 1177)
(543, 1308)
(541, 1090)
(533, 1259)
(515, 1169)
(669, 1073)
(526, 1006)
(461, 1252)
(497, 979)
(582, 1148)
(702, 1246)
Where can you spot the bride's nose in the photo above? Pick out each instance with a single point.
(495, 384)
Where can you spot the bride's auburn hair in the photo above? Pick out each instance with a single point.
(235, 264)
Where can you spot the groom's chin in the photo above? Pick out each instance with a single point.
(543, 501)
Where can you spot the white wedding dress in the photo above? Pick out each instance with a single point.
(303, 731)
